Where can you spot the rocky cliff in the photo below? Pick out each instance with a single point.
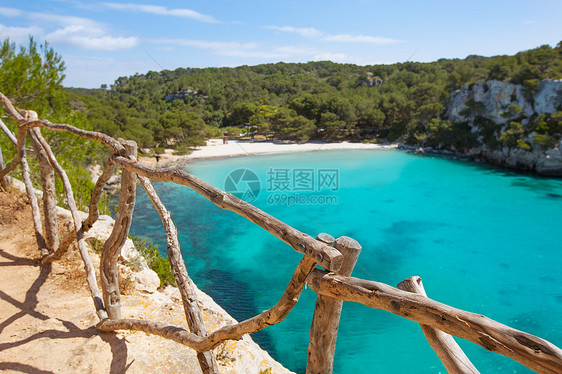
(516, 125)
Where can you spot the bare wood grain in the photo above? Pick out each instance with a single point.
(327, 312)
(49, 193)
(3, 180)
(93, 215)
(535, 353)
(326, 256)
(230, 332)
(88, 266)
(451, 355)
(112, 246)
(185, 285)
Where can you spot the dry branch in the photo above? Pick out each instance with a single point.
(444, 345)
(533, 352)
(8, 133)
(93, 212)
(92, 135)
(21, 158)
(326, 256)
(3, 180)
(49, 195)
(88, 266)
(231, 332)
(112, 246)
(185, 284)
(20, 153)
(35, 213)
(93, 215)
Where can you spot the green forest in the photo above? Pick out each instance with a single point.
(301, 101)
(402, 102)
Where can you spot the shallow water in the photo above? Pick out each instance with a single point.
(481, 239)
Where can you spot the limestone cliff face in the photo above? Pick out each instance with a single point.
(501, 103)
(497, 96)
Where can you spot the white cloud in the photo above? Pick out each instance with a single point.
(307, 32)
(258, 50)
(77, 32)
(19, 35)
(84, 37)
(220, 48)
(10, 12)
(310, 32)
(163, 11)
(92, 71)
(347, 38)
(328, 56)
(529, 22)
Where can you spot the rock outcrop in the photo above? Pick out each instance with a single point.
(501, 103)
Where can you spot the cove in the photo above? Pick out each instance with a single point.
(482, 239)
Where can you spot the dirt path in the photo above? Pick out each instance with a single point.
(47, 318)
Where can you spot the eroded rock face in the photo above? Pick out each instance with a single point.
(496, 97)
(502, 102)
(548, 98)
(550, 163)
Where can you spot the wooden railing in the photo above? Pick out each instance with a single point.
(333, 284)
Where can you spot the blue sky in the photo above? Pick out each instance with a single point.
(101, 41)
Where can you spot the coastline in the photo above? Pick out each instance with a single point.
(238, 148)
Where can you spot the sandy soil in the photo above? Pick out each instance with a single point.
(236, 148)
(47, 317)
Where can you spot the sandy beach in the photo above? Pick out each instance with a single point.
(236, 148)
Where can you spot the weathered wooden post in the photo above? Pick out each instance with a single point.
(326, 319)
(49, 196)
(113, 244)
(446, 348)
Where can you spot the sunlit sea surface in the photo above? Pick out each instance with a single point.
(482, 239)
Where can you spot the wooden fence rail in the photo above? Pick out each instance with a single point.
(333, 284)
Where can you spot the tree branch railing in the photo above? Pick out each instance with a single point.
(333, 285)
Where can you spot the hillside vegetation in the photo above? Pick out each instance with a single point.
(315, 100)
(403, 102)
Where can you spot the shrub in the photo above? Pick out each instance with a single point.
(531, 85)
(523, 145)
(446, 134)
(95, 244)
(155, 260)
(511, 136)
(545, 140)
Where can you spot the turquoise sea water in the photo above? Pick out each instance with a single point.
(481, 239)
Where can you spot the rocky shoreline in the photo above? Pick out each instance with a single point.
(547, 164)
(508, 120)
